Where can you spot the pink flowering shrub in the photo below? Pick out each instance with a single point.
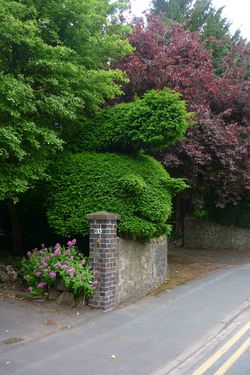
(46, 267)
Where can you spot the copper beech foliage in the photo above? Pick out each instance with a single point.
(216, 153)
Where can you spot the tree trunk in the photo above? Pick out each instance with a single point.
(16, 227)
(179, 216)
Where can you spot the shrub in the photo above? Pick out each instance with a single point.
(138, 188)
(238, 216)
(48, 266)
(150, 123)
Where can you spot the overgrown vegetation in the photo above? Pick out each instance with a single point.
(237, 215)
(138, 188)
(54, 71)
(204, 17)
(150, 123)
(53, 63)
(214, 156)
(62, 66)
(46, 267)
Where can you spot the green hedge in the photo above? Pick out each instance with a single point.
(238, 216)
(138, 188)
(150, 123)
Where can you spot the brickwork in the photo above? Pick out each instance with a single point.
(103, 254)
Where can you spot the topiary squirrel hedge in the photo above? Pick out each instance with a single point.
(136, 187)
(150, 123)
(126, 182)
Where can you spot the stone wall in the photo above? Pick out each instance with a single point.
(140, 267)
(201, 233)
(126, 268)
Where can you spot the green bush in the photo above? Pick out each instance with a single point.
(46, 267)
(150, 123)
(138, 188)
(238, 216)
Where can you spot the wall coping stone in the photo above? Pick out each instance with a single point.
(103, 215)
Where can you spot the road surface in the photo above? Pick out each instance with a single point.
(183, 331)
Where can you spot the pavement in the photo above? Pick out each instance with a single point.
(22, 320)
(156, 335)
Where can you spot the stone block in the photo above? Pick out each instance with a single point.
(53, 294)
(4, 278)
(66, 298)
(11, 272)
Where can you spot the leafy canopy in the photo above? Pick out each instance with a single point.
(202, 16)
(54, 69)
(215, 153)
(199, 15)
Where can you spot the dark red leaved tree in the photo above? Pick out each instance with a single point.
(215, 155)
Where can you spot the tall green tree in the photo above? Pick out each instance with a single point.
(54, 69)
(200, 15)
(176, 10)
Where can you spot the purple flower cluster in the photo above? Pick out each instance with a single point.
(57, 252)
(47, 265)
(71, 272)
(43, 262)
(71, 243)
(52, 274)
(61, 266)
(41, 285)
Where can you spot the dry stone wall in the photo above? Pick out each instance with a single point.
(201, 233)
(141, 267)
(126, 268)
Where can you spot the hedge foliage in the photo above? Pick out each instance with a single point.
(238, 216)
(138, 188)
(150, 123)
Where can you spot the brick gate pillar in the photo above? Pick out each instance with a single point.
(103, 255)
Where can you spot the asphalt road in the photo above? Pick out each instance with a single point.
(228, 352)
(175, 332)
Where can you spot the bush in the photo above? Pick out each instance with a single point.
(238, 216)
(48, 266)
(150, 123)
(138, 188)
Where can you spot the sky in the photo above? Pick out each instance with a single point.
(237, 11)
